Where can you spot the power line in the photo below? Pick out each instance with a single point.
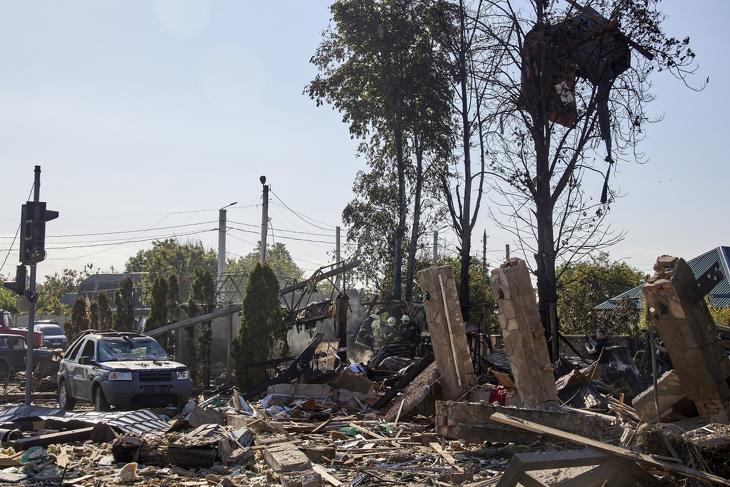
(283, 230)
(120, 232)
(286, 236)
(107, 244)
(304, 217)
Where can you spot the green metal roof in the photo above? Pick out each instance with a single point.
(719, 296)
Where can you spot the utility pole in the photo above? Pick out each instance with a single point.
(485, 273)
(221, 271)
(506, 252)
(32, 299)
(264, 220)
(435, 256)
(32, 250)
(337, 254)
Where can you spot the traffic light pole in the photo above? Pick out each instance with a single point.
(31, 307)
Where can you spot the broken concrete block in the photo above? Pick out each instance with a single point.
(199, 416)
(683, 320)
(308, 478)
(447, 330)
(286, 457)
(128, 474)
(670, 393)
(470, 421)
(319, 453)
(524, 339)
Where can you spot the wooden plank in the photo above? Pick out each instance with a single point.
(445, 455)
(51, 438)
(321, 425)
(368, 432)
(522, 332)
(448, 334)
(610, 449)
(325, 475)
(690, 336)
(529, 481)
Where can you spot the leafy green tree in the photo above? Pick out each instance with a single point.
(94, 315)
(260, 324)
(79, 316)
(105, 312)
(278, 259)
(8, 300)
(124, 301)
(173, 299)
(378, 66)
(158, 306)
(54, 287)
(203, 295)
(167, 257)
(193, 343)
(585, 285)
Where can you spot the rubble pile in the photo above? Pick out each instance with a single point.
(520, 420)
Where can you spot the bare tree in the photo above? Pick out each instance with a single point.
(472, 67)
(571, 80)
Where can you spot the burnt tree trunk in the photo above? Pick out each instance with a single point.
(415, 230)
(401, 225)
(465, 236)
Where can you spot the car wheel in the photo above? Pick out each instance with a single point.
(65, 400)
(100, 402)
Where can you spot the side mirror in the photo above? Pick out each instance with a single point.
(84, 360)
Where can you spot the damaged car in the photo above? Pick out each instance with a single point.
(121, 370)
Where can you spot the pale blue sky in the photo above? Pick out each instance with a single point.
(137, 109)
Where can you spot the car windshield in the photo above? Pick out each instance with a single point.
(127, 348)
(50, 330)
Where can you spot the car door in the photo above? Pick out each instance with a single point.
(81, 375)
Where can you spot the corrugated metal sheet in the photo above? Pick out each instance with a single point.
(141, 421)
(719, 296)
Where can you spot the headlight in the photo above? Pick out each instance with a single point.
(120, 376)
(183, 375)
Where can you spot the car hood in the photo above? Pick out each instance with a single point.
(138, 365)
(54, 337)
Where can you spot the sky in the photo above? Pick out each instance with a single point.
(147, 115)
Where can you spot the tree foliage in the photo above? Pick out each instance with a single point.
(278, 259)
(261, 323)
(158, 306)
(53, 288)
(168, 257)
(124, 301)
(585, 285)
(8, 300)
(380, 66)
(79, 317)
(203, 294)
(104, 310)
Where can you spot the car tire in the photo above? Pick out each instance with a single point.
(65, 399)
(100, 402)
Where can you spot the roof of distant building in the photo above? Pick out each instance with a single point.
(719, 295)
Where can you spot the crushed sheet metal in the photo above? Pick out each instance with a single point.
(141, 421)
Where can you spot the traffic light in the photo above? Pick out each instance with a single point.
(33, 218)
(18, 287)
